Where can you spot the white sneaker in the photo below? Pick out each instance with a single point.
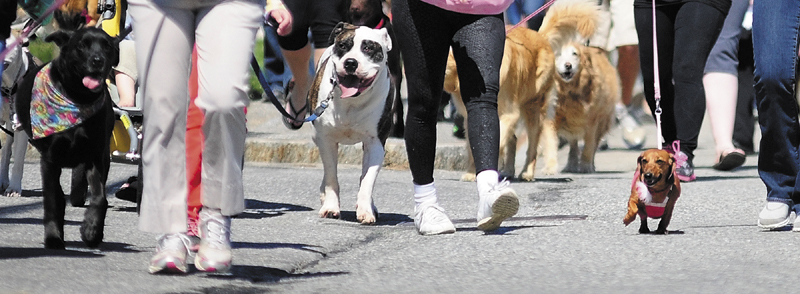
(497, 205)
(775, 215)
(171, 253)
(431, 220)
(214, 254)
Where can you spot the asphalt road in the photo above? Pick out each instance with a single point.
(568, 237)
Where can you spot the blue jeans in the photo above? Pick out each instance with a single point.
(2, 48)
(277, 71)
(525, 7)
(775, 33)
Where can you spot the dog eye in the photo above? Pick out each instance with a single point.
(660, 161)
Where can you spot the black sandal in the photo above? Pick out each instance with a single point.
(290, 123)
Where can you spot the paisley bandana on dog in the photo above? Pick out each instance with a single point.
(51, 112)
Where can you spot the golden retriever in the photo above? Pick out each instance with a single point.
(526, 78)
(654, 190)
(587, 85)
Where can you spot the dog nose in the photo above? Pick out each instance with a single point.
(648, 175)
(567, 66)
(97, 61)
(350, 65)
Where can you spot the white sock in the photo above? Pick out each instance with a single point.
(486, 180)
(424, 194)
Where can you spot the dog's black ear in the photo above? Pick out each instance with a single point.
(59, 37)
(639, 160)
(336, 31)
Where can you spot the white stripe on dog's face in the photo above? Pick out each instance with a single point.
(568, 62)
(358, 56)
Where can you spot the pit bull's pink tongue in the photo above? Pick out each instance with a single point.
(348, 91)
(349, 85)
(90, 82)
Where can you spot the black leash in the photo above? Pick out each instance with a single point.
(273, 24)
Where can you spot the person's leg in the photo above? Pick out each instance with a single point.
(697, 27)
(164, 49)
(478, 51)
(644, 28)
(529, 7)
(514, 13)
(424, 44)
(775, 33)
(720, 82)
(276, 71)
(320, 17)
(622, 37)
(223, 71)
(194, 157)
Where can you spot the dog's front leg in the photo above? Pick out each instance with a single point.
(329, 189)
(643, 229)
(665, 219)
(54, 205)
(95, 215)
(79, 186)
(371, 163)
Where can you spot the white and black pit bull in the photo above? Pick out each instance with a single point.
(354, 87)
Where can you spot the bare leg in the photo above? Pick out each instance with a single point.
(721, 95)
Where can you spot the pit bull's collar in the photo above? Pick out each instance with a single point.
(51, 112)
(380, 25)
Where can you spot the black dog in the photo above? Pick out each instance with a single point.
(81, 140)
(370, 13)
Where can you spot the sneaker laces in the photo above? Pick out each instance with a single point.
(680, 157)
(500, 186)
(171, 242)
(217, 234)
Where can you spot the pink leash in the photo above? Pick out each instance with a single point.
(545, 6)
(657, 84)
(29, 29)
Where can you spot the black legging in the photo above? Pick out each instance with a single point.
(686, 34)
(425, 34)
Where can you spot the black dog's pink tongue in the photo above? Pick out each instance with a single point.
(90, 82)
(349, 85)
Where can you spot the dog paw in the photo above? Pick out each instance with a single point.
(92, 234)
(54, 242)
(12, 193)
(644, 231)
(550, 169)
(468, 177)
(526, 177)
(366, 216)
(661, 232)
(330, 212)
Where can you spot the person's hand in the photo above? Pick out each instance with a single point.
(284, 19)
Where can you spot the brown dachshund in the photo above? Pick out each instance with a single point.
(654, 191)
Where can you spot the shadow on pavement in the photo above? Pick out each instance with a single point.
(33, 221)
(256, 209)
(384, 219)
(303, 247)
(22, 253)
(261, 274)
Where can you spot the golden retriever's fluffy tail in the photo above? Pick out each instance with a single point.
(570, 21)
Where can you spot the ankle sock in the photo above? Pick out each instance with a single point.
(424, 194)
(486, 179)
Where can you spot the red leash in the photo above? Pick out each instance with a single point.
(545, 6)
